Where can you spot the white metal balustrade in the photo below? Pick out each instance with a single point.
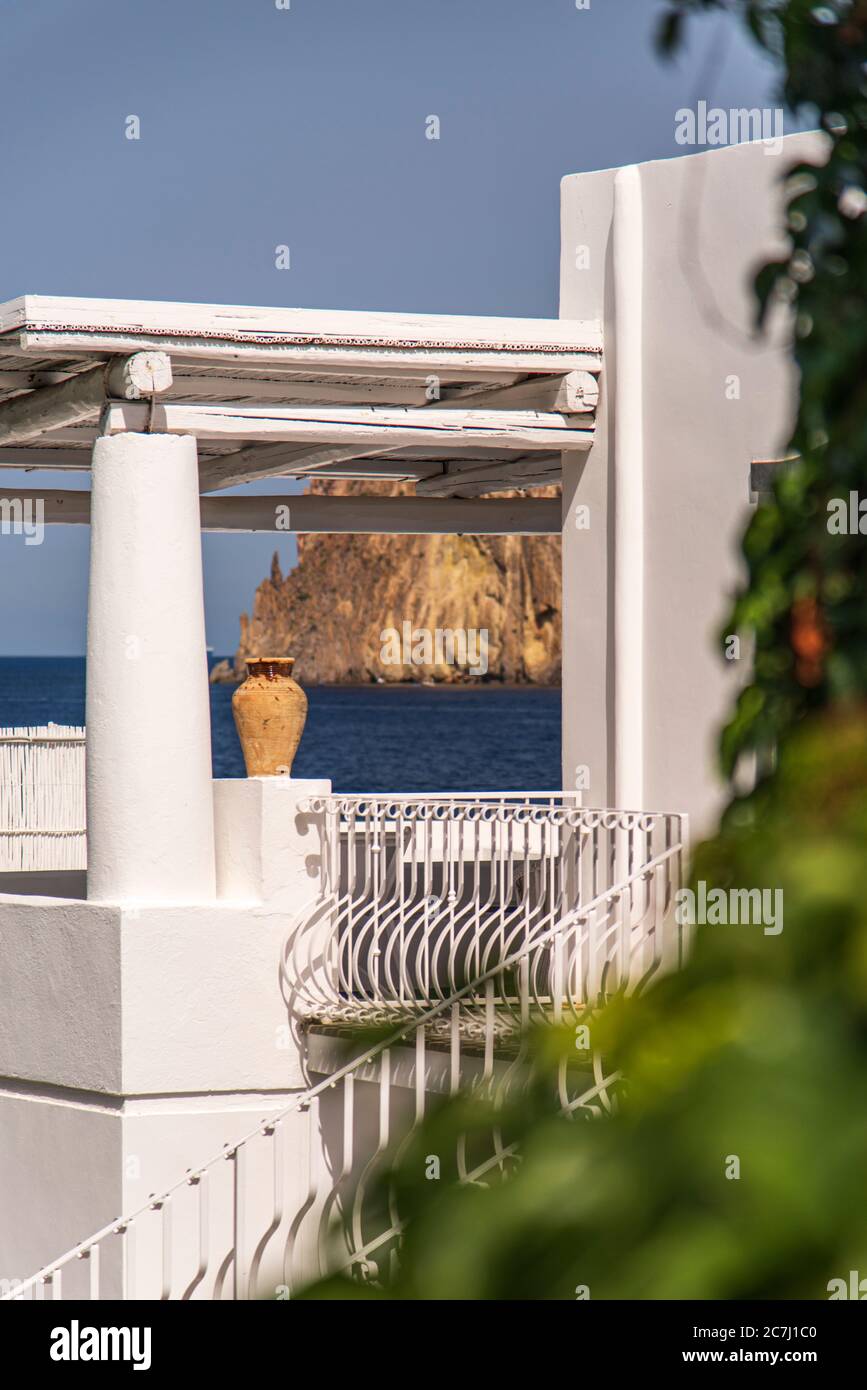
(420, 895)
(460, 921)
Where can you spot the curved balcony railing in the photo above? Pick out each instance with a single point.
(421, 895)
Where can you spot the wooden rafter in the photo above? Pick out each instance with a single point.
(293, 392)
(82, 397)
(474, 479)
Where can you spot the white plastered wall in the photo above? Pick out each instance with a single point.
(708, 399)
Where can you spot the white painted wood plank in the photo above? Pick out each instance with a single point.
(230, 321)
(415, 372)
(260, 461)
(221, 388)
(257, 461)
(375, 429)
(317, 356)
(12, 314)
(574, 393)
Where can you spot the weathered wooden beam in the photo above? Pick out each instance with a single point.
(479, 478)
(71, 508)
(27, 379)
(269, 460)
(383, 515)
(375, 358)
(56, 460)
(379, 374)
(340, 515)
(79, 434)
(264, 461)
(576, 393)
(222, 387)
(373, 429)
(82, 397)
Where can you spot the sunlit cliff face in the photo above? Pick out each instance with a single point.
(331, 610)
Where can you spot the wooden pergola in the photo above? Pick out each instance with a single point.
(170, 405)
(460, 407)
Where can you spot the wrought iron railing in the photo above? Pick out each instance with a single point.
(421, 895)
(544, 910)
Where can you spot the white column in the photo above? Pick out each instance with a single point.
(150, 825)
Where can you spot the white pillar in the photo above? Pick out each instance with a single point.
(150, 826)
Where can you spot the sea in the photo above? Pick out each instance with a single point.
(371, 738)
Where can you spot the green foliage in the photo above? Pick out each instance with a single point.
(807, 588)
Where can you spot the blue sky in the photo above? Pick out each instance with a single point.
(263, 126)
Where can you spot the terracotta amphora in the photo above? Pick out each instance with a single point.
(270, 710)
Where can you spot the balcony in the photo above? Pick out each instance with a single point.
(440, 929)
(424, 899)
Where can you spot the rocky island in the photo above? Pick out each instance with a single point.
(333, 610)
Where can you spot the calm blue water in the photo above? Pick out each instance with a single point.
(365, 738)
